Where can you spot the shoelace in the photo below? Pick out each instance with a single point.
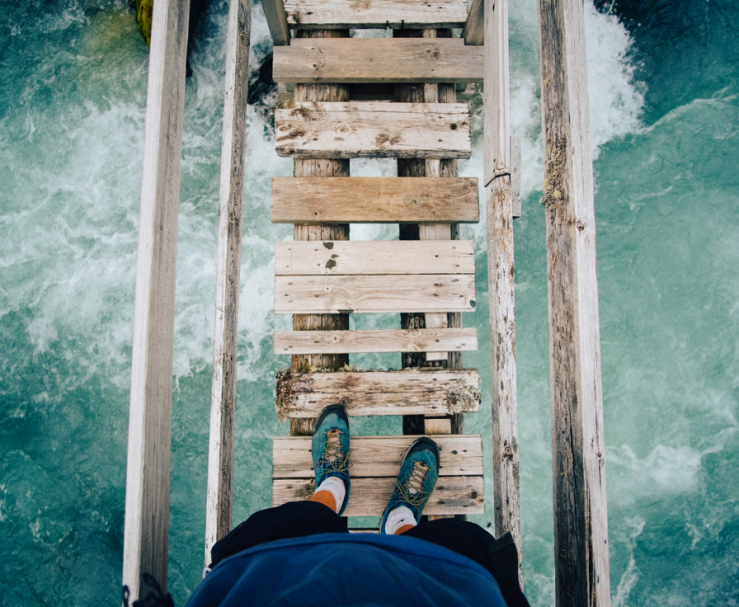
(411, 489)
(333, 458)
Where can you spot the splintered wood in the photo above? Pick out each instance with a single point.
(419, 392)
(373, 130)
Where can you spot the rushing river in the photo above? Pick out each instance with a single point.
(664, 113)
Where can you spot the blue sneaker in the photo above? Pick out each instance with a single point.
(416, 480)
(331, 448)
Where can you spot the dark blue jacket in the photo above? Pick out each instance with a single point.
(340, 569)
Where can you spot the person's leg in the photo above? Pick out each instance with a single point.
(320, 512)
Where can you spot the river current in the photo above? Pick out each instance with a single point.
(664, 114)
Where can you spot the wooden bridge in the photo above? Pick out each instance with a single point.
(393, 97)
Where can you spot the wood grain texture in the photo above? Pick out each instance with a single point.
(516, 177)
(323, 168)
(372, 130)
(423, 392)
(578, 446)
(338, 14)
(274, 13)
(366, 294)
(502, 317)
(474, 28)
(374, 257)
(228, 268)
(223, 391)
(397, 60)
(390, 340)
(146, 527)
(452, 495)
(376, 456)
(374, 200)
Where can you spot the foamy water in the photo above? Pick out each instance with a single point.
(72, 95)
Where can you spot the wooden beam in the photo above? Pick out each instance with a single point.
(373, 130)
(375, 456)
(500, 274)
(374, 200)
(274, 12)
(145, 538)
(422, 392)
(228, 268)
(375, 14)
(367, 294)
(399, 60)
(312, 168)
(389, 340)
(452, 495)
(374, 257)
(578, 446)
(474, 29)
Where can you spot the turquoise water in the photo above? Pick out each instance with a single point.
(664, 108)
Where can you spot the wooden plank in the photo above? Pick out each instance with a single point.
(373, 129)
(274, 13)
(516, 177)
(374, 200)
(578, 459)
(146, 527)
(423, 392)
(438, 425)
(500, 275)
(474, 29)
(392, 340)
(452, 495)
(228, 268)
(398, 60)
(375, 14)
(374, 257)
(367, 294)
(375, 456)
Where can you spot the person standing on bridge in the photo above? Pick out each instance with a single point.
(300, 553)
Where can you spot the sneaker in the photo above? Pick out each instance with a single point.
(416, 480)
(331, 448)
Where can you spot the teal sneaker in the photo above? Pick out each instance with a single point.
(331, 448)
(416, 480)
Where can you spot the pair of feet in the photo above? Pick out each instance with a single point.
(416, 480)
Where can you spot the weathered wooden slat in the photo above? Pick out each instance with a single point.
(376, 456)
(379, 14)
(374, 257)
(578, 458)
(516, 177)
(452, 495)
(502, 312)
(374, 200)
(391, 340)
(398, 60)
(146, 527)
(423, 392)
(474, 29)
(373, 129)
(363, 294)
(223, 388)
(274, 13)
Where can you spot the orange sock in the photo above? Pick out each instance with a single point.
(403, 529)
(324, 497)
